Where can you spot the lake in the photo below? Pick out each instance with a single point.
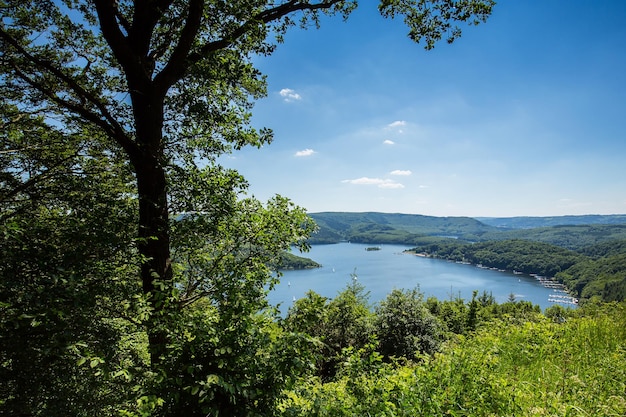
(383, 270)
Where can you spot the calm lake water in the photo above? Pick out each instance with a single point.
(388, 268)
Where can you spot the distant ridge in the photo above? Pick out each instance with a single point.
(375, 227)
(530, 222)
(572, 232)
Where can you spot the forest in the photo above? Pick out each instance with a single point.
(565, 231)
(602, 275)
(135, 268)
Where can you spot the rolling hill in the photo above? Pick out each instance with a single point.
(371, 227)
(523, 222)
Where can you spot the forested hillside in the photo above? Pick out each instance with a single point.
(601, 275)
(511, 255)
(604, 277)
(291, 261)
(570, 237)
(374, 227)
(409, 229)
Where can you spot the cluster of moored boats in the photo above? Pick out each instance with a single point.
(562, 299)
(561, 296)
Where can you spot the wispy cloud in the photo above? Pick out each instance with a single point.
(305, 152)
(388, 142)
(290, 95)
(401, 172)
(390, 184)
(397, 123)
(397, 126)
(379, 182)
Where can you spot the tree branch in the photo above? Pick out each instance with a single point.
(107, 15)
(104, 120)
(145, 17)
(50, 172)
(177, 64)
(264, 17)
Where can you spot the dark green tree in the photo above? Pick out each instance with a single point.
(68, 316)
(350, 319)
(153, 91)
(472, 313)
(336, 326)
(405, 327)
(308, 315)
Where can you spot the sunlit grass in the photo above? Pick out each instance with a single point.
(539, 368)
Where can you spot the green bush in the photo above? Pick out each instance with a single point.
(405, 327)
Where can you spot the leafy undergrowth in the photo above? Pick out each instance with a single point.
(568, 367)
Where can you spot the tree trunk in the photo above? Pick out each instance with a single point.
(154, 236)
(154, 232)
(154, 248)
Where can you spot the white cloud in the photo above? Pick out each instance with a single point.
(305, 152)
(379, 182)
(290, 95)
(390, 184)
(388, 142)
(365, 181)
(397, 126)
(397, 123)
(401, 172)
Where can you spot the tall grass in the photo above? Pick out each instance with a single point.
(537, 368)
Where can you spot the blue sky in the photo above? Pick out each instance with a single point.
(522, 116)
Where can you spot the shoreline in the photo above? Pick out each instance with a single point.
(566, 296)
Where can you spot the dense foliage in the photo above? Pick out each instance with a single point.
(403, 326)
(69, 310)
(452, 357)
(602, 274)
(564, 363)
(135, 268)
(604, 278)
(511, 255)
(570, 237)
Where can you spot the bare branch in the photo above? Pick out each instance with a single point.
(123, 21)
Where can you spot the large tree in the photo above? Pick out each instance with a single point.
(161, 88)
